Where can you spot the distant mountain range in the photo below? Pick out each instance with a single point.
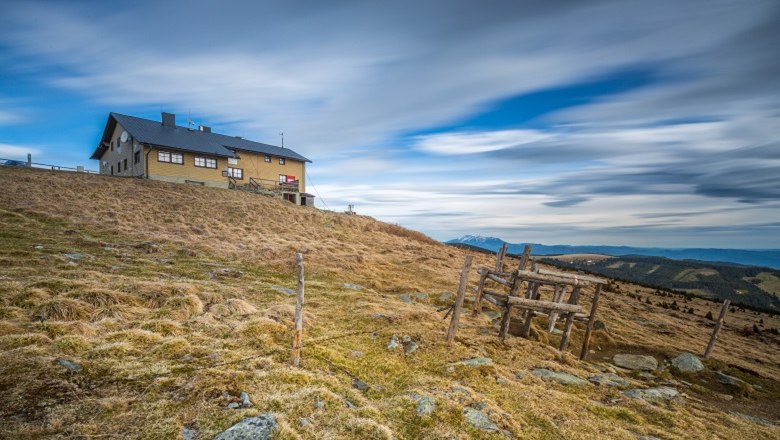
(763, 258)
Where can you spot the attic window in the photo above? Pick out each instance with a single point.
(281, 161)
(267, 158)
(167, 156)
(205, 162)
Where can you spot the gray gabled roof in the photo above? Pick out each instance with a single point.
(155, 133)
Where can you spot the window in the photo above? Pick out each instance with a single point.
(281, 161)
(205, 162)
(267, 158)
(167, 156)
(112, 170)
(119, 167)
(125, 162)
(137, 157)
(282, 178)
(236, 173)
(112, 145)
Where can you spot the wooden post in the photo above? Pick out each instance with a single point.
(557, 296)
(506, 317)
(573, 299)
(533, 295)
(716, 330)
(464, 279)
(483, 273)
(500, 258)
(591, 319)
(296, 349)
(29, 160)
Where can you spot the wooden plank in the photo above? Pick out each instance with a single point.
(298, 335)
(535, 304)
(464, 278)
(587, 278)
(589, 326)
(499, 280)
(530, 276)
(557, 297)
(716, 330)
(573, 299)
(496, 301)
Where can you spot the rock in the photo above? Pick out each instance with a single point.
(445, 296)
(421, 296)
(393, 344)
(352, 286)
(410, 347)
(72, 263)
(479, 419)
(319, 404)
(425, 404)
(349, 404)
(69, 365)
(646, 375)
(245, 402)
(725, 379)
(520, 374)
(304, 422)
(359, 384)
(189, 433)
(600, 325)
(405, 297)
(233, 405)
(74, 256)
(561, 378)
(285, 290)
(475, 362)
(38, 247)
(261, 427)
(357, 353)
(609, 380)
(663, 394)
(753, 419)
(687, 363)
(635, 362)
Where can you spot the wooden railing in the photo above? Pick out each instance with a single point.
(273, 185)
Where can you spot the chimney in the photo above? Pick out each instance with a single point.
(204, 129)
(168, 119)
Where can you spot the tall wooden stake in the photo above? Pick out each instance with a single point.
(506, 317)
(500, 258)
(464, 279)
(483, 273)
(715, 331)
(591, 319)
(557, 297)
(573, 299)
(296, 349)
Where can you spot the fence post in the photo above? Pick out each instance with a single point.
(29, 160)
(715, 331)
(464, 279)
(296, 349)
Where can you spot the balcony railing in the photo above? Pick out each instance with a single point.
(273, 185)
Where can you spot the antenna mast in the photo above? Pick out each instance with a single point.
(281, 133)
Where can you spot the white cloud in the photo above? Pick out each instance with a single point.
(478, 142)
(10, 151)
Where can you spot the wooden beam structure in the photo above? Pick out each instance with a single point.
(464, 278)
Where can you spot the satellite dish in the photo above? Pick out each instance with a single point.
(123, 137)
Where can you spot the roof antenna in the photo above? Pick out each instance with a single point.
(281, 133)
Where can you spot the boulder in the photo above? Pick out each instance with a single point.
(405, 297)
(561, 378)
(475, 362)
(725, 379)
(352, 286)
(687, 363)
(479, 419)
(261, 427)
(660, 394)
(609, 380)
(69, 365)
(635, 362)
(359, 384)
(425, 404)
(393, 344)
(245, 402)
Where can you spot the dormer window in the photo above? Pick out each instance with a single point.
(267, 158)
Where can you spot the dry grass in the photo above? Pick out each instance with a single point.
(165, 344)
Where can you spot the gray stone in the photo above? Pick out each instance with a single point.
(304, 422)
(520, 374)
(646, 375)
(285, 290)
(349, 404)
(245, 402)
(600, 325)
(425, 404)
(687, 363)
(261, 427)
(189, 433)
(74, 256)
(445, 296)
(561, 378)
(479, 419)
(38, 247)
(754, 419)
(663, 394)
(635, 362)
(319, 404)
(421, 296)
(405, 297)
(609, 380)
(725, 379)
(393, 344)
(357, 353)
(475, 362)
(359, 384)
(69, 365)
(352, 286)
(410, 347)
(233, 405)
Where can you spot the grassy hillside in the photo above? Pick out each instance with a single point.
(171, 301)
(755, 287)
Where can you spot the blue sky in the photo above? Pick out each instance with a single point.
(600, 122)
